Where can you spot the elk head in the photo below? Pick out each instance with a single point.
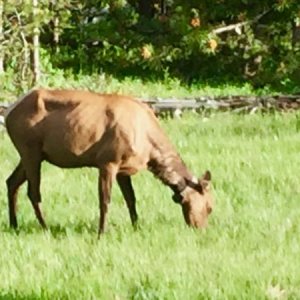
(196, 201)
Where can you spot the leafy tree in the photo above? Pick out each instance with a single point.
(255, 40)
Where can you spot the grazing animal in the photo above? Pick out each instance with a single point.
(118, 135)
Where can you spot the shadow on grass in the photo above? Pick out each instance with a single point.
(55, 230)
(13, 295)
(59, 230)
(66, 229)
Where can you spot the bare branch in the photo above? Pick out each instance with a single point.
(26, 48)
(237, 26)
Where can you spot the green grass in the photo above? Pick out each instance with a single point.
(249, 251)
(168, 87)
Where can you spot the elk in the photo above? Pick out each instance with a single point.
(116, 134)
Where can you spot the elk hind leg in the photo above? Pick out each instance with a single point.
(13, 182)
(32, 167)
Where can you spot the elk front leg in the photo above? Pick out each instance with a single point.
(125, 184)
(106, 177)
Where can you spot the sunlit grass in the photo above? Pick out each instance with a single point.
(165, 88)
(168, 87)
(249, 251)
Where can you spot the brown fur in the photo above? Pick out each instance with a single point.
(116, 134)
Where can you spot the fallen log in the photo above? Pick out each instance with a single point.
(239, 104)
(234, 103)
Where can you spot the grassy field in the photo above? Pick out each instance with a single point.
(250, 250)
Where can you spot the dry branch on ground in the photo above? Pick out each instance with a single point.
(247, 104)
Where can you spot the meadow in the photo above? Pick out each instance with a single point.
(250, 249)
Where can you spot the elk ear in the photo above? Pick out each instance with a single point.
(204, 181)
(206, 176)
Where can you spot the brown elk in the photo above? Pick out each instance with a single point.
(116, 134)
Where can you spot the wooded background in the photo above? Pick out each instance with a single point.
(254, 40)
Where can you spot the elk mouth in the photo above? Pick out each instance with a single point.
(194, 217)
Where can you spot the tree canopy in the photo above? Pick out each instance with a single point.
(257, 40)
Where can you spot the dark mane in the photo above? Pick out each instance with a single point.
(171, 170)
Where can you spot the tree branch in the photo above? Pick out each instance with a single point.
(237, 26)
(26, 48)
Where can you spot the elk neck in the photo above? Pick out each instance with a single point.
(170, 169)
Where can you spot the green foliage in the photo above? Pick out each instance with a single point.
(113, 37)
(248, 251)
(183, 43)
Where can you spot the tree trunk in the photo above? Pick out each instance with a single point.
(146, 8)
(56, 31)
(163, 7)
(1, 39)
(55, 24)
(36, 54)
(25, 64)
(296, 33)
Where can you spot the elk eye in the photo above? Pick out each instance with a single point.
(177, 198)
